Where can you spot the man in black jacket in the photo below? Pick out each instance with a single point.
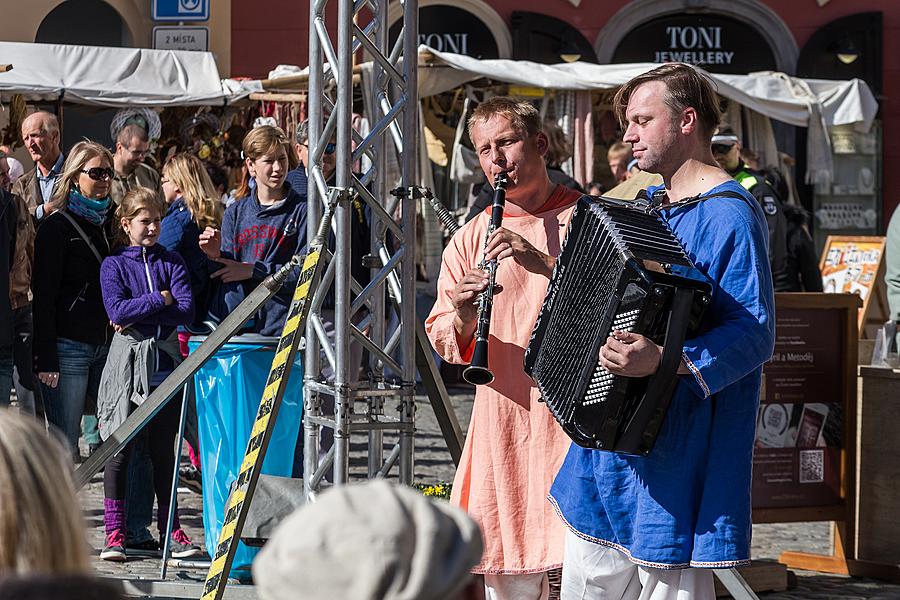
(726, 148)
(8, 225)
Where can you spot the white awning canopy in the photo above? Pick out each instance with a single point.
(776, 95)
(114, 77)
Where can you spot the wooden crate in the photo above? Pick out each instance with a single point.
(878, 470)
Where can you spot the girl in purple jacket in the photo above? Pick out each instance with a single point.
(147, 294)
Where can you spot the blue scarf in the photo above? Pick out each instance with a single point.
(92, 211)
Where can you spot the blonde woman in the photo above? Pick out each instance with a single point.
(261, 231)
(41, 527)
(193, 206)
(71, 328)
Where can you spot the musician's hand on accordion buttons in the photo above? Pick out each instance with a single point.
(630, 354)
(503, 244)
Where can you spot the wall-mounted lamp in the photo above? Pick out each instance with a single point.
(568, 50)
(846, 51)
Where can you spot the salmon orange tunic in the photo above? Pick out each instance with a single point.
(514, 447)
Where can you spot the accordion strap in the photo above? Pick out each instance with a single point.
(662, 383)
(697, 199)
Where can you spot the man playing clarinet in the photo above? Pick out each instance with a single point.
(652, 527)
(513, 447)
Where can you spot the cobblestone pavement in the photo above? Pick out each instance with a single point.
(433, 464)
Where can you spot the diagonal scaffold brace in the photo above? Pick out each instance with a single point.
(174, 383)
(238, 504)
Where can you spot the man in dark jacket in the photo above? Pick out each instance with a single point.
(802, 272)
(298, 179)
(726, 148)
(21, 261)
(8, 226)
(40, 132)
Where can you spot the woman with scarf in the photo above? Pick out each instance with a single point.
(71, 329)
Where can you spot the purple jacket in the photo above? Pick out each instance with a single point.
(132, 279)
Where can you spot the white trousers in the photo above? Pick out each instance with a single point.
(535, 586)
(595, 572)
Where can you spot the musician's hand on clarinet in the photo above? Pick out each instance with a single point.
(630, 354)
(465, 296)
(503, 244)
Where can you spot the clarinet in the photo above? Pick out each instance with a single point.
(478, 373)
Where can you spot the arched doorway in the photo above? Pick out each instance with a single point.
(86, 23)
(468, 27)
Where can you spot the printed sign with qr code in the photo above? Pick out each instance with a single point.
(812, 466)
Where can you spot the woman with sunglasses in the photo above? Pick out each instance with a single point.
(71, 329)
(261, 231)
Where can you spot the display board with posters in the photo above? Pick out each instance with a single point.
(799, 433)
(804, 459)
(855, 265)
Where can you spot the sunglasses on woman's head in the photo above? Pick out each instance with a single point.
(100, 173)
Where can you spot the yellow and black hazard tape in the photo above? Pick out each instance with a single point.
(262, 427)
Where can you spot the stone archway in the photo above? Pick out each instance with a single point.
(482, 10)
(85, 22)
(760, 17)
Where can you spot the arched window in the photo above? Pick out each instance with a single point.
(85, 23)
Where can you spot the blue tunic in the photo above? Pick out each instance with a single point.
(687, 504)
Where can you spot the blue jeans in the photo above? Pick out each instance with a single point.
(6, 371)
(80, 367)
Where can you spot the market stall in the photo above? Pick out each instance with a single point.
(178, 96)
(111, 77)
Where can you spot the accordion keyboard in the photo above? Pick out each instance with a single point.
(602, 380)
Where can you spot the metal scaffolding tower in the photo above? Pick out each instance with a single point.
(382, 400)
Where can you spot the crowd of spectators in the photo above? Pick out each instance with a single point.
(112, 268)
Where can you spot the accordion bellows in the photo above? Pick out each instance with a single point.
(615, 272)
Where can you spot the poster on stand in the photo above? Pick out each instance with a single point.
(855, 265)
(800, 423)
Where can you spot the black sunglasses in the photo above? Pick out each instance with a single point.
(721, 148)
(329, 147)
(99, 173)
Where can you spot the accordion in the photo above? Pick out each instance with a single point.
(616, 271)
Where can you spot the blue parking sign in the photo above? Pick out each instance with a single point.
(181, 10)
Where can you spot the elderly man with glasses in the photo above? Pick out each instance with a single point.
(132, 146)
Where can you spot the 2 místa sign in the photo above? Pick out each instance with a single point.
(181, 38)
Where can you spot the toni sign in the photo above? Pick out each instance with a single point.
(716, 42)
(695, 45)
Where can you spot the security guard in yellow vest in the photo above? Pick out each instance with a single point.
(726, 148)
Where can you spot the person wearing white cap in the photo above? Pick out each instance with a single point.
(726, 149)
(372, 541)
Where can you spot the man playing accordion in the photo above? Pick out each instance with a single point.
(651, 527)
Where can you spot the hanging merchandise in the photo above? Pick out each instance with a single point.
(147, 118)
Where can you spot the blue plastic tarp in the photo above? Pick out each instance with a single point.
(228, 390)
